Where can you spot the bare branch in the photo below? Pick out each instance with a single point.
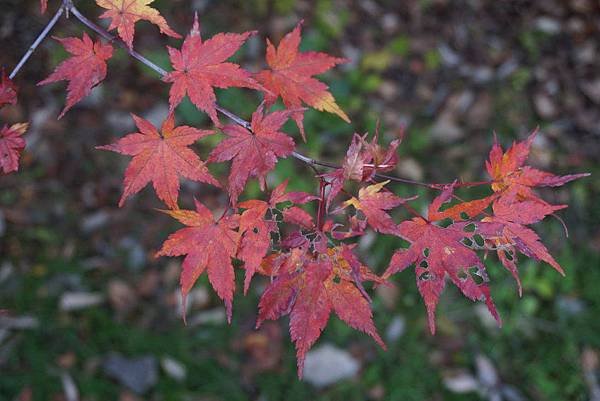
(37, 41)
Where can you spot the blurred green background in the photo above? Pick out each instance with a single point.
(90, 314)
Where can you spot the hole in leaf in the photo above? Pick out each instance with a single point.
(478, 239)
(464, 216)
(475, 273)
(337, 279)
(425, 276)
(462, 275)
(467, 242)
(426, 252)
(424, 264)
(255, 230)
(445, 222)
(509, 255)
(470, 227)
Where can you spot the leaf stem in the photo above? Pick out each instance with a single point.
(321, 211)
(37, 41)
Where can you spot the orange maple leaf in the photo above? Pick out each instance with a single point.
(290, 76)
(84, 70)
(161, 157)
(125, 13)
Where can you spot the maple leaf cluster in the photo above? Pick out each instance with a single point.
(439, 252)
(303, 244)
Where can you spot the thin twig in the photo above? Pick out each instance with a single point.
(37, 42)
(238, 120)
(313, 162)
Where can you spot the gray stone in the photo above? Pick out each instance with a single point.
(69, 387)
(19, 322)
(137, 374)
(174, 369)
(570, 306)
(94, 221)
(461, 382)
(214, 316)
(327, 364)
(396, 328)
(72, 301)
(544, 105)
(548, 25)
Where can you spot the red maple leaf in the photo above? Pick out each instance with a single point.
(200, 66)
(506, 232)
(8, 90)
(84, 70)
(209, 245)
(439, 253)
(374, 204)
(123, 15)
(309, 289)
(161, 157)
(509, 173)
(254, 153)
(11, 145)
(290, 76)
